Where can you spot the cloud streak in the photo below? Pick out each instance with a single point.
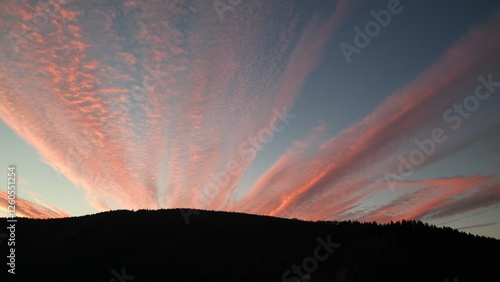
(138, 98)
(144, 103)
(28, 209)
(476, 226)
(345, 170)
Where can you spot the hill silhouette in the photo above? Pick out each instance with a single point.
(167, 245)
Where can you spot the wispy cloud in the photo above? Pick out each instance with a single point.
(23, 181)
(25, 208)
(144, 102)
(438, 199)
(477, 226)
(348, 169)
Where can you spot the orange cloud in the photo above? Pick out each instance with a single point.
(136, 108)
(349, 168)
(25, 208)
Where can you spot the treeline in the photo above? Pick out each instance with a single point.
(225, 246)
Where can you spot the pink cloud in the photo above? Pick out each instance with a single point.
(346, 168)
(25, 208)
(142, 113)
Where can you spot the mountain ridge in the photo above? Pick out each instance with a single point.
(224, 246)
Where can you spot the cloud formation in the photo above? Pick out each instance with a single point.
(345, 171)
(25, 208)
(143, 103)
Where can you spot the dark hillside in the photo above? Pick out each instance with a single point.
(220, 246)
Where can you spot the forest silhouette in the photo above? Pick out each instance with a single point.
(161, 245)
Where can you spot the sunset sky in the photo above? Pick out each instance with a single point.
(319, 110)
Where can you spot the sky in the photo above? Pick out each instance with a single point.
(317, 110)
